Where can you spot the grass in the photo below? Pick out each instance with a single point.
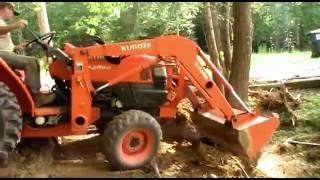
(309, 113)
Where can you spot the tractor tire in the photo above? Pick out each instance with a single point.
(132, 139)
(10, 124)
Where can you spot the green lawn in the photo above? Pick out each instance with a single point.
(309, 113)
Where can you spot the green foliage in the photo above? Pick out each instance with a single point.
(134, 20)
(63, 18)
(118, 21)
(112, 21)
(280, 19)
(28, 13)
(309, 113)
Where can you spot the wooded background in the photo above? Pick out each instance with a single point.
(116, 21)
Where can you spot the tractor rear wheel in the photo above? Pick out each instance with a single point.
(132, 139)
(10, 124)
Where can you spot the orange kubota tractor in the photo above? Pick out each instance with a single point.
(124, 88)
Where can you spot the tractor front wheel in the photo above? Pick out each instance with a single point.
(132, 139)
(10, 123)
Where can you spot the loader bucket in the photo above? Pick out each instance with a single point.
(246, 137)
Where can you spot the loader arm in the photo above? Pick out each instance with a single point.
(243, 132)
(185, 53)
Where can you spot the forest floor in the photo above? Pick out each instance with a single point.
(82, 156)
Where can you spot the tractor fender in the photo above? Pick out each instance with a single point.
(16, 85)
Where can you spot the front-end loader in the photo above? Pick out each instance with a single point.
(123, 89)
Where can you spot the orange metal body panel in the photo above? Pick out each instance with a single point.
(58, 130)
(48, 111)
(100, 71)
(256, 130)
(60, 70)
(54, 131)
(16, 85)
(80, 94)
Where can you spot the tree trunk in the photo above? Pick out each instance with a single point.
(213, 51)
(42, 18)
(215, 23)
(205, 33)
(240, 67)
(298, 44)
(301, 35)
(225, 39)
(295, 83)
(231, 20)
(216, 27)
(135, 18)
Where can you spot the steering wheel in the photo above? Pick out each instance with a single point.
(40, 40)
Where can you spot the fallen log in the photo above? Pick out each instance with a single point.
(303, 143)
(291, 141)
(301, 83)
